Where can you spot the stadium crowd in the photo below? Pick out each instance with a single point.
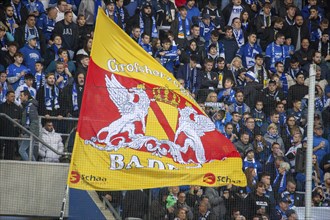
(245, 62)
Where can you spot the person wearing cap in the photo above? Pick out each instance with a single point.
(249, 161)
(281, 209)
(320, 145)
(206, 27)
(23, 32)
(30, 53)
(146, 20)
(270, 96)
(215, 13)
(180, 27)
(251, 88)
(249, 50)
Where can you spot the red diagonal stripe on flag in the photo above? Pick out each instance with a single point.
(162, 120)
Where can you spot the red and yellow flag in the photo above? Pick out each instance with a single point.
(138, 129)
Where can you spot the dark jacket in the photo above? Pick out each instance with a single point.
(13, 111)
(66, 100)
(231, 47)
(296, 92)
(42, 107)
(69, 33)
(31, 106)
(304, 33)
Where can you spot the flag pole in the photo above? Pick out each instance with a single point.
(66, 194)
(309, 153)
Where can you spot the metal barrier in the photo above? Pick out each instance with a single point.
(32, 136)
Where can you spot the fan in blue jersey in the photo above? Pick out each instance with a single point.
(46, 23)
(249, 50)
(275, 52)
(34, 7)
(16, 71)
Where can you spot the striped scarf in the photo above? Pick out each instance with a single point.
(74, 97)
(3, 92)
(50, 97)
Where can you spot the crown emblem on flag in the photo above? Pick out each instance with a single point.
(164, 94)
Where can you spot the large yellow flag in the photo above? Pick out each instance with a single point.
(138, 129)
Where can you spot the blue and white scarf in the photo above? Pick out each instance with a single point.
(320, 102)
(154, 32)
(273, 136)
(64, 82)
(30, 89)
(285, 85)
(122, 16)
(282, 186)
(32, 31)
(39, 80)
(74, 97)
(239, 36)
(49, 98)
(181, 34)
(239, 108)
(27, 110)
(191, 79)
(17, 11)
(3, 92)
(11, 21)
